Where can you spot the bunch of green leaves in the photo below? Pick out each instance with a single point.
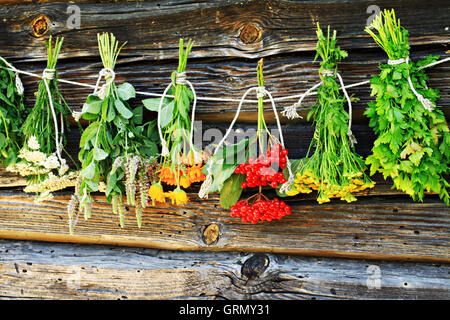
(413, 144)
(225, 161)
(334, 162)
(39, 122)
(175, 119)
(12, 116)
(114, 136)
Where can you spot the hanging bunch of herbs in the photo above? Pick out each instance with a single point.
(117, 150)
(180, 164)
(41, 158)
(255, 162)
(413, 138)
(334, 169)
(12, 115)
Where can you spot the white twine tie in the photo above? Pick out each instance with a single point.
(291, 111)
(426, 103)
(49, 74)
(350, 135)
(18, 82)
(181, 80)
(109, 76)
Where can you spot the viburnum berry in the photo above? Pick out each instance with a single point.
(260, 210)
(260, 171)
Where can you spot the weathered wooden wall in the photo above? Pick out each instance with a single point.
(61, 271)
(230, 36)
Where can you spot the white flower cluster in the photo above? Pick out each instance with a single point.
(50, 173)
(53, 183)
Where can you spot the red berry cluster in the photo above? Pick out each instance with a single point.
(264, 210)
(260, 172)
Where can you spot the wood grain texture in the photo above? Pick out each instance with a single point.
(388, 227)
(217, 26)
(30, 270)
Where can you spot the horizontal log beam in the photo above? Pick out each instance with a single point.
(31, 270)
(247, 29)
(388, 227)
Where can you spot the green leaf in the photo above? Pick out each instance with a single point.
(138, 115)
(2, 140)
(89, 133)
(126, 91)
(92, 105)
(231, 191)
(167, 114)
(152, 104)
(99, 154)
(123, 110)
(89, 172)
(111, 112)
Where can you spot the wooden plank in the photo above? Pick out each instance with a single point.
(30, 270)
(221, 28)
(388, 227)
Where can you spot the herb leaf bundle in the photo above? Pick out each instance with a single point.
(180, 164)
(334, 169)
(12, 116)
(413, 143)
(116, 150)
(41, 155)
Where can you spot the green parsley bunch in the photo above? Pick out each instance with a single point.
(413, 143)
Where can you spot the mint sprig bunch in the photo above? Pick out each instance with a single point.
(116, 147)
(413, 143)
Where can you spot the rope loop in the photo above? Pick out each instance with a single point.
(180, 78)
(426, 103)
(109, 76)
(48, 74)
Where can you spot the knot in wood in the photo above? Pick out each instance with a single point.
(40, 25)
(211, 234)
(250, 33)
(254, 266)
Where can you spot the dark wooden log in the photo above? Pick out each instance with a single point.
(388, 227)
(248, 29)
(30, 270)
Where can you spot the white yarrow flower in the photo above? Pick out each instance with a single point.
(52, 162)
(33, 144)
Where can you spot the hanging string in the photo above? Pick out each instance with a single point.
(427, 104)
(350, 135)
(109, 76)
(49, 74)
(221, 99)
(18, 82)
(206, 185)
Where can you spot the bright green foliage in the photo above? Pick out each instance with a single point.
(115, 145)
(12, 116)
(334, 168)
(413, 144)
(40, 123)
(175, 113)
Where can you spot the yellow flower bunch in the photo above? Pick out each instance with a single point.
(306, 182)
